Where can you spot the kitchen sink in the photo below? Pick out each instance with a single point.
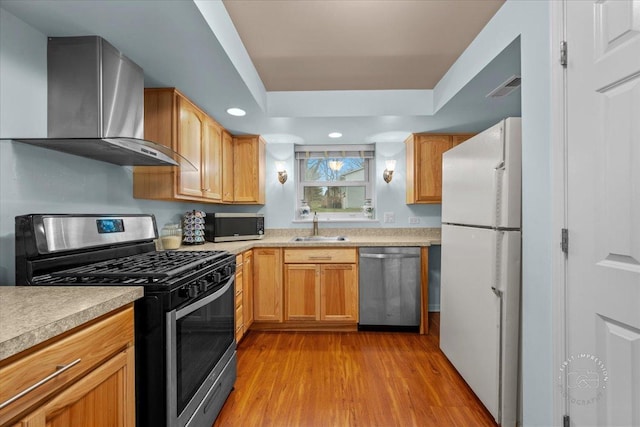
(320, 239)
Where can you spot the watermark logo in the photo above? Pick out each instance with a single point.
(583, 379)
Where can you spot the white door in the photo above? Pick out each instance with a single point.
(602, 366)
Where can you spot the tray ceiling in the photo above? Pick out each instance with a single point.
(356, 45)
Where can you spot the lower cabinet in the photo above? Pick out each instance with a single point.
(267, 292)
(326, 292)
(86, 378)
(100, 398)
(247, 289)
(239, 288)
(244, 293)
(321, 285)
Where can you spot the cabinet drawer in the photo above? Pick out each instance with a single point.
(239, 300)
(238, 286)
(239, 318)
(72, 356)
(320, 255)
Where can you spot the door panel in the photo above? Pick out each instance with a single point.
(302, 291)
(338, 292)
(601, 372)
(189, 146)
(619, 346)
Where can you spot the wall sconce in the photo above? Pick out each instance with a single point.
(282, 172)
(387, 175)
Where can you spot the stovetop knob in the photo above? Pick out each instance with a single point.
(193, 290)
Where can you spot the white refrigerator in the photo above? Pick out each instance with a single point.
(481, 265)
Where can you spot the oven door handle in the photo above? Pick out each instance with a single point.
(204, 301)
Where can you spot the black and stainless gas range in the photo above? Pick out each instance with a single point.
(185, 347)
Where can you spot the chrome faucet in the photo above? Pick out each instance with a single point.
(315, 223)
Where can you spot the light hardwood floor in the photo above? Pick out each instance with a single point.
(348, 379)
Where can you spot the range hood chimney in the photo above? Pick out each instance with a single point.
(96, 105)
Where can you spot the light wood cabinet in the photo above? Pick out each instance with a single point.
(94, 382)
(247, 289)
(175, 122)
(239, 288)
(267, 290)
(212, 165)
(339, 292)
(227, 168)
(321, 284)
(244, 293)
(249, 169)
(302, 291)
(424, 165)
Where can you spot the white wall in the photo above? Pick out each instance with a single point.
(36, 180)
(529, 20)
(281, 199)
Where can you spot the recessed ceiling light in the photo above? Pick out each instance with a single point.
(236, 112)
(335, 135)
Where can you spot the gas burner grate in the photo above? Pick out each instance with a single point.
(147, 267)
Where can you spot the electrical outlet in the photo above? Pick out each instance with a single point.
(389, 217)
(414, 220)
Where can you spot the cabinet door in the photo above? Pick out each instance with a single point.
(104, 397)
(459, 139)
(302, 291)
(239, 297)
(428, 167)
(248, 158)
(247, 289)
(339, 292)
(212, 160)
(227, 167)
(267, 292)
(189, 145)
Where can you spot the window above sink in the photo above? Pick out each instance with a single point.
(334, 180)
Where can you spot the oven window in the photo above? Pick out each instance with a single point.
(202, 337)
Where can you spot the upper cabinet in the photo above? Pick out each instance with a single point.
(213, 166)
(248, 169)
(174, 121)
(227, 170)
(424, 165)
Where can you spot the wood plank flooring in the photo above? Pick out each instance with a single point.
(348, 379)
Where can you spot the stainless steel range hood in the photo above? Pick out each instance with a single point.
(96, 105)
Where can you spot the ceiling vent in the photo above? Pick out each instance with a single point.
(506, 88)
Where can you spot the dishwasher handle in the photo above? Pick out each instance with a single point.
(389, 256)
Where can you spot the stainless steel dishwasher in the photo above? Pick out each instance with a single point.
(389, 288)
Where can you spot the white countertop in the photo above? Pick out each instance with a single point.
(30, 315)
(356, 238)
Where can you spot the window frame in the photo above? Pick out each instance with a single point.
(336, 152)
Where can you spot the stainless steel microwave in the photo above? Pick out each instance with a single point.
(229, 227)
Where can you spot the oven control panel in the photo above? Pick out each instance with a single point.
(208, 280)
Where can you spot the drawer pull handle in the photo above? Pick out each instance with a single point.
(59, 369)
(320, 257)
